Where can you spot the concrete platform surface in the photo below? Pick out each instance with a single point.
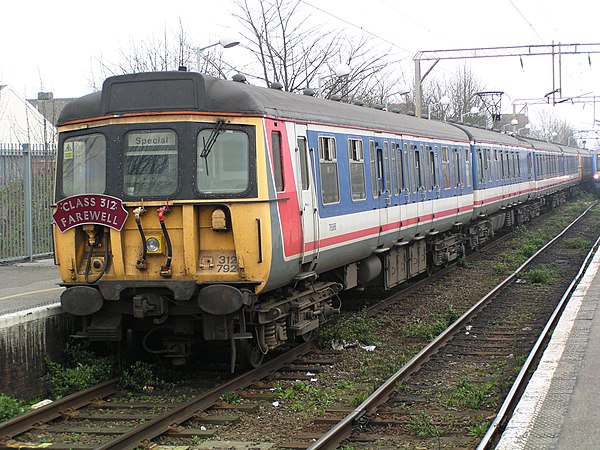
(27, 285)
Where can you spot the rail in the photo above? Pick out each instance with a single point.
(332, 438)
(513, 395)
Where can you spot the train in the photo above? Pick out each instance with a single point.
(595, 180)
(190, 209)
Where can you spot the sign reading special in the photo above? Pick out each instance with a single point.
(86, 209)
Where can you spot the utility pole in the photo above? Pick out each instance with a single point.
(498, 52)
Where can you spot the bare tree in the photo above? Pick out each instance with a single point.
(551, 128)
(460, 89)
(153, 53)
(282, 48)
(298, 56)
(286, 50)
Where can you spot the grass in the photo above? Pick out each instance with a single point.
(478, 430)
(304, 396)
(231, 398)
(578, 243)
(543, 275)
(501, 269)
(470, 395)
(10, 407)
(139, 376)
(377, 367)
(534, 241)
(465, 263)
(352, 328)
(82, 370)
(519, 361)
(433, 327)
(423, 426)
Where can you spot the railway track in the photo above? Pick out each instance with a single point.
(512, 321)
(128, 424)
(91, 420)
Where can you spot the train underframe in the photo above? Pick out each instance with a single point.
(436, 249)
(163, 319)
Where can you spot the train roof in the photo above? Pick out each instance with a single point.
(190, 91)
(194, 92)
(485, 136)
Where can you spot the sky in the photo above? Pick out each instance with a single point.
(53, 46)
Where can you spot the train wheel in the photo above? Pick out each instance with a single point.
(249, 353)
(305, 337)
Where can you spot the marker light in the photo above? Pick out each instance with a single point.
(154, 244)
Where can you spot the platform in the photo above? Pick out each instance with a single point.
(32, 325)
(559, 409)
(27, 285)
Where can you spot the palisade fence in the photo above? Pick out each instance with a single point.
(26, 183)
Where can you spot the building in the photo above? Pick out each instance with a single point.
(21, 123)
(49, 106)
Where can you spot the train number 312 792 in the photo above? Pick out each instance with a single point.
(227, 264)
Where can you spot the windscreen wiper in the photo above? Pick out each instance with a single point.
(208, 143)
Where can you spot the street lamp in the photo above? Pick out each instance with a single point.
(226, 41)
(403, 89)
(526, 127)
(444, 102)
(513, 123)
(474, 110)
(339, 71)
(550, 135)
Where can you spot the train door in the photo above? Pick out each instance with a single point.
(308, 204)
(459, 181)
(418, 190)
(395, 186)
(385, 197)
(405, 172)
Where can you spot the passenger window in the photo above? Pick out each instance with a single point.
(468, 172)
(446, 168)
(433, 182)
(386, 168)
(330, 192)
(373, 165)
(457, 167)
(480, 165)
(417, 179)
(395, 168)
(357, 169)
(304, 173)
(404, 168)
(277, 160)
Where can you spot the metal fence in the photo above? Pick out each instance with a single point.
(26, 183)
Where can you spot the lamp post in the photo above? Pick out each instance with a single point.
(339, 71)
(550, 135)
(403, 89)
(444, 102)
(226, 41)
(526, 127)
(512, 123)
(474, 111)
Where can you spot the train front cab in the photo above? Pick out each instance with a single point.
(595, 169)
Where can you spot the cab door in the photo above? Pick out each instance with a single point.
(308, 204)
